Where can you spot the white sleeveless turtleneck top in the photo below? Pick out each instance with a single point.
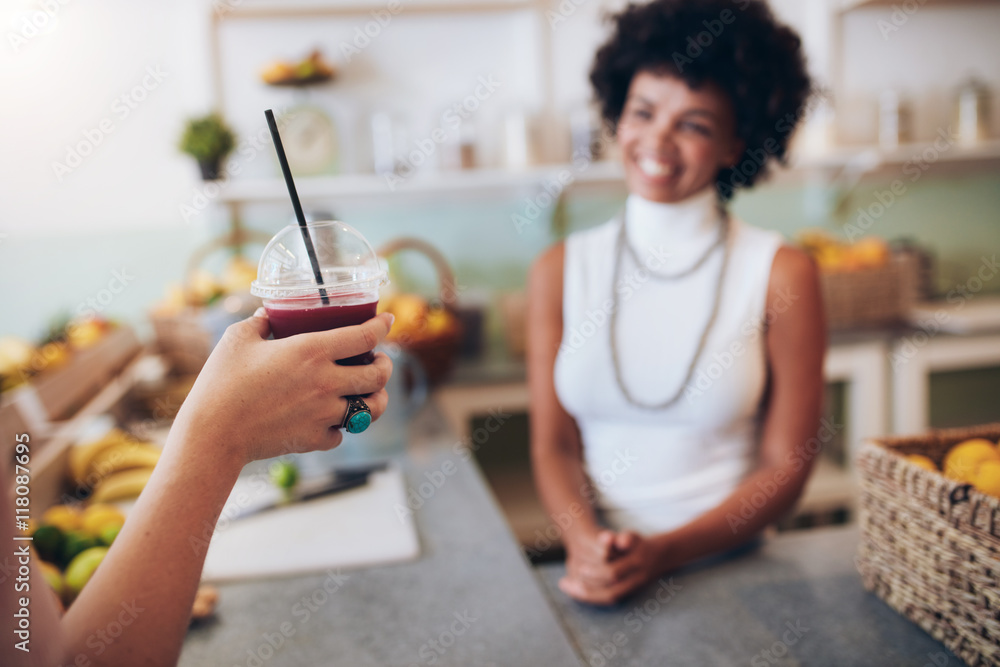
(656, 470)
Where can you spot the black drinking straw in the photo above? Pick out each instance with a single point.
(296, 204)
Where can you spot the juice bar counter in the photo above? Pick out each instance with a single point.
(472, 600)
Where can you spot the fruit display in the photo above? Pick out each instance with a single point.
(113, 468)
(312, 69)
(20, 360)
(71, 541)
(204, 288)
(975, 461)
(833, 255)
(417, 320)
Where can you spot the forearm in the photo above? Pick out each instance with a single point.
(741, 516)
(564, 489)
(149, 577)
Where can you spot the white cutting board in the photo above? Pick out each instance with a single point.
(355, 528)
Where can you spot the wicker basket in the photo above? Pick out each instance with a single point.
(436, 355)
(514, 313)
(930, 546)
(871, 297)
(182, 338)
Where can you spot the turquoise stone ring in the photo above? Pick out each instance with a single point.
(358, 417)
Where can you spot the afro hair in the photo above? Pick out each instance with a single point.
(736, 44)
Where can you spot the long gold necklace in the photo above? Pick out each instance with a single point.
(621, 245)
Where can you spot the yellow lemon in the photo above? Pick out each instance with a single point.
(964, 458)
(63, 517)
(53, 576)
(987, 478)
(922, 461)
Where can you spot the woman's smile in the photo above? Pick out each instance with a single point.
(675, 138)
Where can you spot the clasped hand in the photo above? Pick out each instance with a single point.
(604, 567)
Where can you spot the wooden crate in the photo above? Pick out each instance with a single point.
(63, 391)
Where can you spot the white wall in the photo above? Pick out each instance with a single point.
(59, 86)
(924, 56)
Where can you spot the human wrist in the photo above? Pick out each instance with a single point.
(665, 552)
(581, 532)
(200, 446)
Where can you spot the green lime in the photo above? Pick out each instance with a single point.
(82, 567)
(284, 474)
(109, 533)
(76, 543)
(48, 541)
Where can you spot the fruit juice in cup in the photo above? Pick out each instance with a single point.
(295, 300)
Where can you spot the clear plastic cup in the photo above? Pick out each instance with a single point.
(296, 302)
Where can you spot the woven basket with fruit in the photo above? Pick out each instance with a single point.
(427, 329)
(930, 534)
(179, 319)
(864, 284)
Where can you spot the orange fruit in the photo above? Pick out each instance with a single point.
(987, 478)
(922, 461)
(964, 459)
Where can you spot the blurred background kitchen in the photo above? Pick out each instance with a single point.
(466, 124)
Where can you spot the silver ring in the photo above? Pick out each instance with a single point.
(358, 417)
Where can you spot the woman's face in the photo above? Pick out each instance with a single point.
(674, 139)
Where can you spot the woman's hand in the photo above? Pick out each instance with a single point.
(264, 398)
(614, 565)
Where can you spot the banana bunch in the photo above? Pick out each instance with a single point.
(116, 467)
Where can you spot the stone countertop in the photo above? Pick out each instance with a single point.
(795, 600)
(470, 599)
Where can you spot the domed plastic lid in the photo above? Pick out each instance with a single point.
(347, 263)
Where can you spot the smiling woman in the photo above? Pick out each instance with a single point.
(674, 337)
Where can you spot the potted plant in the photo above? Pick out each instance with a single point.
(209, 140)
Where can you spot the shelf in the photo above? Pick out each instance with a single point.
(479, 182)
(473, 182)
(871, 158)
(270, 9)
(849, 5)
